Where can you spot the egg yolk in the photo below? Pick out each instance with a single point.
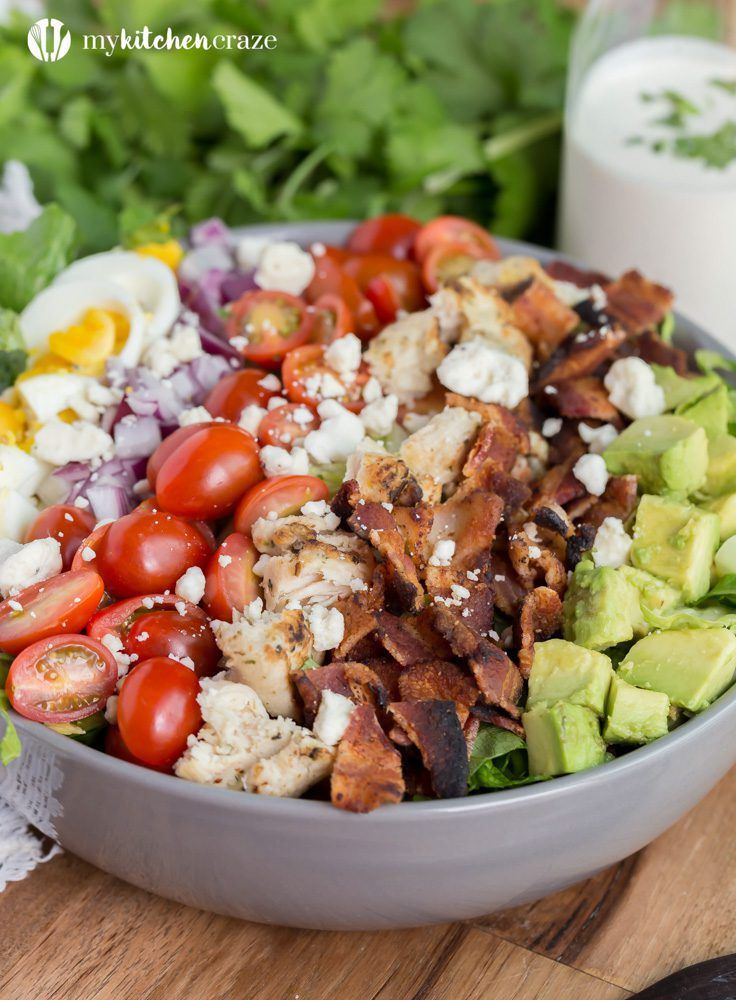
(169, 253)
(12, 424)
(45, 364)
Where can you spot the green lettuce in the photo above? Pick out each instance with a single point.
(10, 747)
(498, 760)
(31, 259)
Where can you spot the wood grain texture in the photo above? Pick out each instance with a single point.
(73, 932)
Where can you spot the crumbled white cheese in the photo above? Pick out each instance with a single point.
(324, 385)
(442, 553)
(598, 438)
(284, 267)
(570, 293)
(379, 416)
(224, 560)
(551, 426)
(166, 353)
(372, 390)
(275, 402)
(327, 626)
(280, 462)
(339, 435)
(591, 471)
(190, 585)
(344, 354)
(633, 389)
(111, 710)
(33, 562)
(415, 421)
(58, 443)
(251, 417)
(270, 382)
(249, 250)
(612, 545)
(115, 644)
(195, 415)
(333, 716)
(88, 554)
(321, 509)
(490, 375)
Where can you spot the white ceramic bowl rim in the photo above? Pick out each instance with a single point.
(405, 811)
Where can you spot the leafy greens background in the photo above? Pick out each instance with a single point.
(454, 107)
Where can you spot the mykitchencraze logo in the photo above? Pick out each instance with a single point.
(144, 38)
(47, 40)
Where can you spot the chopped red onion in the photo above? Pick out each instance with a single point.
(108, 503)
(136, 437)
(212, 230)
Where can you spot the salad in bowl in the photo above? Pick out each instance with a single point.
(399, 519)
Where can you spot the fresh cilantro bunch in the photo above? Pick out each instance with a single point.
(454, 106)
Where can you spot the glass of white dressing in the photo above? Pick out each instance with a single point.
(649, 172)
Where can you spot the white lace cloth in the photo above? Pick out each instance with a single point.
(21, 849)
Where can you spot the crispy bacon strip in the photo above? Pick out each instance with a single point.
(415, 525)
(560, 270)
(400, 641)
(581, 356)
(438, 680)
(507, 590)
(552, 517)
(653, 350)
(434, 728)
(544, 319)
(558, 485)
(311, 683)
(579, 544)
(637, 303)
(374, 523)
(618, 500)
(483, 713)
(346, 499)
(367, 771)
(540, 619)
(530, 559)
(584, 399)
(360, 621)
(375, 683)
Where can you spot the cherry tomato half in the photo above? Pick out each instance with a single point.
(68, 524)
(330, 279)
(62, 679)
(286, 424)
(233, 393)
(168, 633)
(454, 229)
(65, 603)
(388, 283)
(89, 544)
(272, 323)
(158, 710)
(115, 747)
(209, 472)
(167, 447)
(280, 495)
(332, 319)
(117, 619)
(147, 552)
(230, 582)
(447, 261)
(303, 367)
(391, 234)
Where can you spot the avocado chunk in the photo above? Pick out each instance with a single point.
(721, 473)
(712, 412)
(679, 390)
(725, 508)
(691, 666)
(724, 562)
(563, 671)
(634, 715)
(654, 595)
(676, 541)
(600, 607)
(669, 454)
(562, 738)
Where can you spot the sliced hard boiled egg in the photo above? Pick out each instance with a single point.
(21, 471)
(44, 396)
(151, 283)
(17, 514)
(70, 313)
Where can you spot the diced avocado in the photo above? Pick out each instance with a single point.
(654, 595)
(679, 391)
(600, 607)
(691, 666)
(562, 738)
(563, 671)
(669, 454)
(676, 541)
(721, 474)
(634, 715)
(725, 508)
(724, 561)
(712, 412)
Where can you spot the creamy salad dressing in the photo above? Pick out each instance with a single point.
(631, 194)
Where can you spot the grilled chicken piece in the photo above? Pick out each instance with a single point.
(319, 572)
(435, 454)
(405, 355)
(384, 478)
(290, 772)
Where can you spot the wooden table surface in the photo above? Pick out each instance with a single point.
(70, 931)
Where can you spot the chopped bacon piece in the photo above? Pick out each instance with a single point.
(471, 728)
(618, 500)
(434, 728)
(415, 525)
(584, 399)
(401, 641)
(551, 517)
(438, 680)
(507, 590)
(530, 559)
(558, 484)
(367, 771)
(637, 303)
(311, 683)
(540, 619)
(490, 450)
(373, 522)
(509, 425)
(544, 319)
(375, 683)
(580, 355)
(560, 270)
(579, 544)
(652, 349)
(346, 499)
(472, 521)
(484, 713)
(497, 676)
(360, 621)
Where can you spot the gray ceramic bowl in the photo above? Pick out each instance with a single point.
(306, 864)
